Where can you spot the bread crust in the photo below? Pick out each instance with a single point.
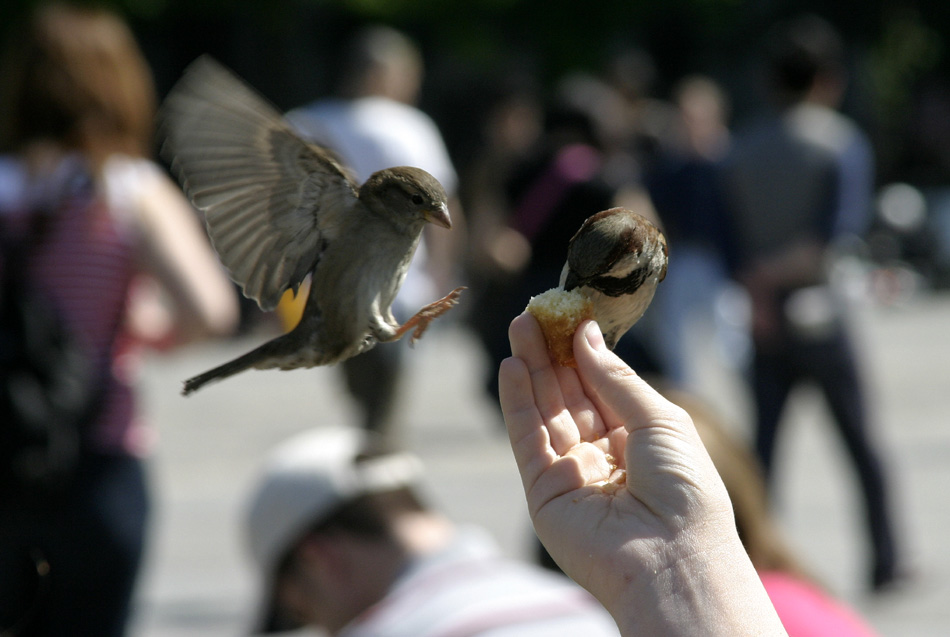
(559, 314)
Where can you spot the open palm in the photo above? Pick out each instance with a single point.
(616, 479)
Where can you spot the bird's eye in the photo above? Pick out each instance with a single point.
(418, 200)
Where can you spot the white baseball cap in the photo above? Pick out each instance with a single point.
(304, 479)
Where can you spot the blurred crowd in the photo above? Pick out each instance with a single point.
(757, 215)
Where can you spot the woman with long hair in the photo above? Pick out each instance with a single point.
(123, 257)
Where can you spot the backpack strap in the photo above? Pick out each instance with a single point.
(46, 211)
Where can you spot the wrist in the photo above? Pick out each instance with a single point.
(697, 588)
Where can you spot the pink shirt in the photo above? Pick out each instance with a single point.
(807, 611)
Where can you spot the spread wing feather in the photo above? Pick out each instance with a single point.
(271, 200)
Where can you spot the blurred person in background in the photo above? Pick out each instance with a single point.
(497, 253)
(650, 122)
(125, 259)
(344, 543)
(805, 608)
(372, 123)
(684, 186)
(795, 183)
(509, 129)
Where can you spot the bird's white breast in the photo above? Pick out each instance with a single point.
(617, 314)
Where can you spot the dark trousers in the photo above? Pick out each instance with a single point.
(830, 363)
(373, 380)
(68, 567)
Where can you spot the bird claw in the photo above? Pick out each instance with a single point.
(420, 321)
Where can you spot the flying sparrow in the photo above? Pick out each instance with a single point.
(616, 258)
(278, 208)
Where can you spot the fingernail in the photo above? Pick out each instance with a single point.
(594, 336)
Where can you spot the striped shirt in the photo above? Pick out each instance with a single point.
(470, 590)
(84, 263)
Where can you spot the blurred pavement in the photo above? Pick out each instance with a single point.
(197, 580)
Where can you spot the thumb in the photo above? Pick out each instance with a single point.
(622, 397)
(662, 443)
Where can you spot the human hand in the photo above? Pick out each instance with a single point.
(623, 494)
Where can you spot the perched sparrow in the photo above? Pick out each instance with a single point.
(616, 258)
(278, 208)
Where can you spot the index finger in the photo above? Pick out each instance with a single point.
(551, 384)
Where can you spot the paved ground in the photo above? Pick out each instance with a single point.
(197, 580)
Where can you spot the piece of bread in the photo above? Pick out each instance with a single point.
(560, 313)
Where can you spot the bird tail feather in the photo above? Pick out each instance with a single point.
(264, 357)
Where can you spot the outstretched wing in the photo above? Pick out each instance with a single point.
(271, 200)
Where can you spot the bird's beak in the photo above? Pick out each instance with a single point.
(571, 281)
(439, 216)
